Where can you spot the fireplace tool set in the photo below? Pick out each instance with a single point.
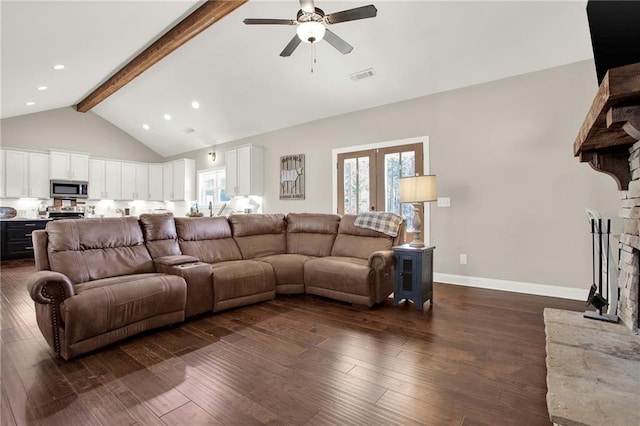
(601, 254)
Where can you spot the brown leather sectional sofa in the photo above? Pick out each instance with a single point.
(102, 280)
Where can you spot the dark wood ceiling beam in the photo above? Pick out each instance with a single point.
(201, 19)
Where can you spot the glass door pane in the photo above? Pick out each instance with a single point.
(350, 186)
(396, 166)
(391, 175)
(356, 180)
(407, 169)
(364, 195)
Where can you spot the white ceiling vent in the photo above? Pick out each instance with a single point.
(189, 130)
(361, 75)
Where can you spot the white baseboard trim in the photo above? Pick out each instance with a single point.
(513, 286)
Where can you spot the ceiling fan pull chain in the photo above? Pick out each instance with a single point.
(313, 56)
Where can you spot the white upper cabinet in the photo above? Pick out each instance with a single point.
(135, 181)
(155, 182)
(142, 181)
(39, 175)
(68, 166)
(26, 174)
(105, 180)
(96, 179)
(113, 180)
(178, 179)
(17, 173)
(231, 172)
(244, 170)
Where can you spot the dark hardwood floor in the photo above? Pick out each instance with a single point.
(476, 357)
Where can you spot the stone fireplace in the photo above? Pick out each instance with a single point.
(593, 367)
(629, 263)
(609, 140)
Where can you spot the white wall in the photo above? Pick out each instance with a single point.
(67, 129)
(502, 151)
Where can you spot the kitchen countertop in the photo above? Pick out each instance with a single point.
(24, 219)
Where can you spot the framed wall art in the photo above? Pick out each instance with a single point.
(292, 177)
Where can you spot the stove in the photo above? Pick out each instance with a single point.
(68, 212)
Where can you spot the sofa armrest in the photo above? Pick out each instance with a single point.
(199, 279)
(47, 287)
(381, 260)
(179, 259)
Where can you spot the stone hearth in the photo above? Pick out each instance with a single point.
(593, 371)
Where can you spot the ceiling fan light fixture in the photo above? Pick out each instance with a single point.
(311, 32)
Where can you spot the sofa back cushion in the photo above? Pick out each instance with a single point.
(353, 241)
(207, 238)
(90, 249)
(259, 235)
(160, 234)
(311, 234)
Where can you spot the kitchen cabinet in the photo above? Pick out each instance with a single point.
(38, 175)
(135, 181)
(68, 166)
(16, 237)
(26, 174)
(17, 173)
(155, 182)
(244, 170)
(105, 180)
(178, 179)
(96, 179)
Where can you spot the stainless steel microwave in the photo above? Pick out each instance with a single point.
(69, 189)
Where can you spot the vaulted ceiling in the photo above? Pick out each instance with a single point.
(235, 73)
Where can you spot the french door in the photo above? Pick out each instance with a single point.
(369, 180)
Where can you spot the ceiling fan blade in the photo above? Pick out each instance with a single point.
(337, 42)
(363, 12)
(288, 50)
(307, 6)
(261, 21)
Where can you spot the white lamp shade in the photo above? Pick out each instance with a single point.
(418, 189)
(311, 32)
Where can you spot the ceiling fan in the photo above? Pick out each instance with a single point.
(312, 25)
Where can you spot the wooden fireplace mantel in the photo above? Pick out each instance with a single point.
(612, 124)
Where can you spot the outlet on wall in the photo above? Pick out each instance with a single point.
(463, 259)
(444, 202)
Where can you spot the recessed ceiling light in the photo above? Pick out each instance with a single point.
(30, 103)
(41, 88)
(195, 104)
(58, 67)
(145, 126)
(167, 116)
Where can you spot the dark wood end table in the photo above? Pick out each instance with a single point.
(413, 274)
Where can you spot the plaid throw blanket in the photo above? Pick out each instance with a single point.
(385, 222)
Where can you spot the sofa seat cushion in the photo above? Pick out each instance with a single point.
(108, 304)
(341, 274)
(289, 271)
(241, 278)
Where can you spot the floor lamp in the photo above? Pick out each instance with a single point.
(417, 190)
